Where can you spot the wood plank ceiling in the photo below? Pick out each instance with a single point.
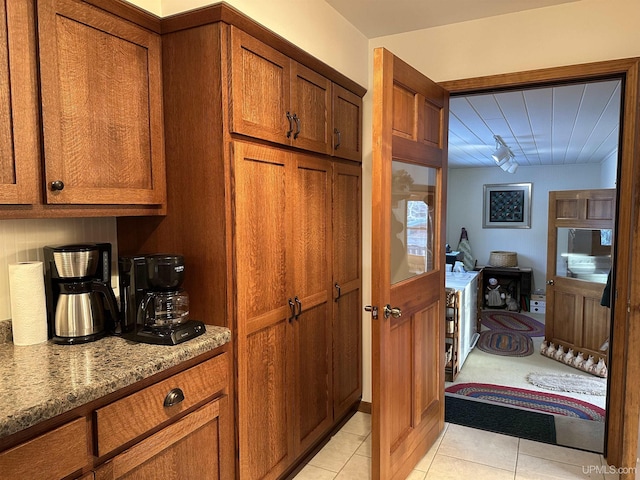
(567, 124)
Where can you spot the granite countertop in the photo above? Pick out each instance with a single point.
(38, 382)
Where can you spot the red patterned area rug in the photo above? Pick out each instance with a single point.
(509, 344)
(540, 401)
(512, 322)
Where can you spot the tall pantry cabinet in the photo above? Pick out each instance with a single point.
(264, 202)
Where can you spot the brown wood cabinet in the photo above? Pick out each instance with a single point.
(102, 118)
(347, 124)
(189, 448)
(136, 435)
(52, 455)
(283, 229)
(19, 127)
(275, 98)
(347, 284)
(268, 225)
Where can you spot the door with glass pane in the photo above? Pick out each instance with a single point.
(407, 287)
(579, 262)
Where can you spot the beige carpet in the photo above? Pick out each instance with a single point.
(481, 367)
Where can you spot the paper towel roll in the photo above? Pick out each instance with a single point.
(28, 304)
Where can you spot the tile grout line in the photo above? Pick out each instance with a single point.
(352, 455)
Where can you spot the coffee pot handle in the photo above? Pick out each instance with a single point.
(142, 310)
(110, 300)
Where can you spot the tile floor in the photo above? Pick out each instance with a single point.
(459, 453)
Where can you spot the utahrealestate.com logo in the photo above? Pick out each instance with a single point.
(607, 469)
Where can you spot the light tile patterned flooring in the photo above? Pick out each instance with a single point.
(460, 453)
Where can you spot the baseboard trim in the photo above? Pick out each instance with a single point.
(365, 407)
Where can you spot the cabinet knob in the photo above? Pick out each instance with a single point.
(174, 397)
(57, 185)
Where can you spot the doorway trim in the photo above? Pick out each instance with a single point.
(623, 409)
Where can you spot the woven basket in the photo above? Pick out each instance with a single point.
(503, 259)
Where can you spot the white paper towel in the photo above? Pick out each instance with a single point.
(28, 304)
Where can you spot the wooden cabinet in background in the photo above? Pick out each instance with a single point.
(277, 99)
(19, 127)
(101, 88)
(347, 124)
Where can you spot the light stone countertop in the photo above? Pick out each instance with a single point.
(38, 382)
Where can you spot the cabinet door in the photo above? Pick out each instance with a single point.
(260, 90)
(19, 135)
(101, 107)
(263, 266)
(311, 107)
(347, 283)
(347, 124)
(192, 448)
(311, 201)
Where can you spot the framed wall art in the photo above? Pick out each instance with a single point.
(507, 205)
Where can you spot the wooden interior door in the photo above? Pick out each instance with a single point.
(347, 284)
(579, 259)
(410, 120)
(311, 208)
(263, 246)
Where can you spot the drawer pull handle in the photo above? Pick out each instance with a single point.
(174, 397)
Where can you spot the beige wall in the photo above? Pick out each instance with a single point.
(578, 32)
(312, 25)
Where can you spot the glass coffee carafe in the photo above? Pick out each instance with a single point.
(164, 309)
(165, 304)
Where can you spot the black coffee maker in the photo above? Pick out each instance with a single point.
(154, 308)
(81, 306)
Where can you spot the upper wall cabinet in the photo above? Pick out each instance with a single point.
(101, 107)
(347, 124)
(277, 99)
(19, 147)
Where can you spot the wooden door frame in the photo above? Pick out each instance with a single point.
(623, 409)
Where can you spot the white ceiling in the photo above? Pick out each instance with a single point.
(568, 124)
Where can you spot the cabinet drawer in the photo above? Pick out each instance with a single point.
(132, 416)
(53, 455)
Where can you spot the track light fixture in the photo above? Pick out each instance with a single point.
(503, 156)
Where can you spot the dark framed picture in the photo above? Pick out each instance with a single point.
(507, 205)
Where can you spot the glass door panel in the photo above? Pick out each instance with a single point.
(413, 197)
(583, 254)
